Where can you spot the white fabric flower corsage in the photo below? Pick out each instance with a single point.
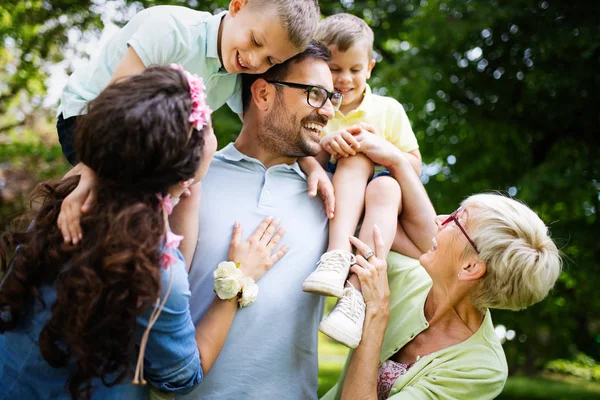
(230, 282)
(249, 292)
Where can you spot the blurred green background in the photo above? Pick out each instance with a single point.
(502, 95)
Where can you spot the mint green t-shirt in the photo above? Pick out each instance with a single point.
(160, 35)
(473, 369)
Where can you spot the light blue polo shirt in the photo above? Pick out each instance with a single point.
(271, 349)
(160, 35)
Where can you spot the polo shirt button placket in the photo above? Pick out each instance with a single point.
(266, 198)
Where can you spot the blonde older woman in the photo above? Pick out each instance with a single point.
(432, 337)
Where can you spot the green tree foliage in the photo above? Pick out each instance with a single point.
(502, 96)
(33, 33)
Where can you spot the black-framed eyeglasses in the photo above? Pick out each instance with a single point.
(316, 96)
(452, 217)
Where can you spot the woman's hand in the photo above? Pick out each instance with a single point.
(257, 254)
(78, 201)
(372, 273)
(361, 375)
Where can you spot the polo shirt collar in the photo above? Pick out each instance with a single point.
(231, 153)
(212, 35)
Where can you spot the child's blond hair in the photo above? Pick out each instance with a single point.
(298, 17)
(344, 31)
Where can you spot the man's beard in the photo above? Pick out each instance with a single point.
(282, 134)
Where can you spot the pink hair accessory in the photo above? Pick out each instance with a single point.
(167, 203)
(167, 259)
(200, 110)
(172, 240)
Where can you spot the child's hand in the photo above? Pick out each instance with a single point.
(256, 255)
(365, 126)
(340, 143)
(379, 150)
(319, 182)
(78, 201)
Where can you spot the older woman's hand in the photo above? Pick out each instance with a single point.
(361, 375)
(372, 273)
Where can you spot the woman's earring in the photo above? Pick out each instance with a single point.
(459, 275)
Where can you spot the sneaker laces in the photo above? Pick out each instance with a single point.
(336, 260)
(351, 303)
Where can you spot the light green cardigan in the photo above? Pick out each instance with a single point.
(473, 369)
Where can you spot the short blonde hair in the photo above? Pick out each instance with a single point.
(345, 30)
(298, 17)
(522, 261)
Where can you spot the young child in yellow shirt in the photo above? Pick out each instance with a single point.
(357, 189)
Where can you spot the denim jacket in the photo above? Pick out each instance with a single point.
(171, 361)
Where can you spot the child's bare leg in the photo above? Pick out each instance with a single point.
(345, 322)
(349, 183)
(382, 199)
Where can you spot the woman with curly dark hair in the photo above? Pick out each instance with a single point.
(74, 318)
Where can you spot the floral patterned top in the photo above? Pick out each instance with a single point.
(388, 372)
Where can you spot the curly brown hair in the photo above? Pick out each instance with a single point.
(137, 138)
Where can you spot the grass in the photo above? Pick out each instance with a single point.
(332, 357)
(551, 387)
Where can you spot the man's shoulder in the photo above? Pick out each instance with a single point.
(225, 158)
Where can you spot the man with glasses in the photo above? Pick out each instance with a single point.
(271, 349)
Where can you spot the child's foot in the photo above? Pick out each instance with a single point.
(345, 322)
(331, 273)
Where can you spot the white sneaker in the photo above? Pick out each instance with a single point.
(345, 322)
(331, 273)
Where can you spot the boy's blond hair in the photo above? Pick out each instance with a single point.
(298, 17)
(345, 30)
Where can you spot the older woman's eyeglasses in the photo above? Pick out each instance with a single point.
(452, 217)
(316, 96)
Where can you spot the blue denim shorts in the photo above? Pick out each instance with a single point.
(66, 137)
(331, 167)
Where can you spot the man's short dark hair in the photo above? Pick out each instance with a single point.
(279, 72)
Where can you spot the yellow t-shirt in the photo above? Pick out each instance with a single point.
(386, 114)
